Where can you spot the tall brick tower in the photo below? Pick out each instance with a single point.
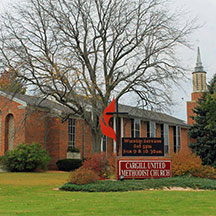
(199, 87)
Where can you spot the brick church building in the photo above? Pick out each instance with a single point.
(24, 120)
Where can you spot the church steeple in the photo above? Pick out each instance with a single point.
(199, 75)
(199, 67)
(199, 87)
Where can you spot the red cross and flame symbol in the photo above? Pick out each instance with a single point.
(106, 129)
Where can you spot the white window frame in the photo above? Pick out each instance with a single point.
(166, 138)
(104, 138)
(135, 121)
(152, 128)
(71, 136)
(178, 138)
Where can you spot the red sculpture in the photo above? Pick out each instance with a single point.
(105, 128)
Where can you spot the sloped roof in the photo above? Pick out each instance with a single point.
(133, 112)
(40, 102)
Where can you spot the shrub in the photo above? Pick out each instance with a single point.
(83, 176)
(112, 166)
(133, 185)
(205, 172)
(26, 158)
(1, 159)
(69, 164)
(71, 149)
(98, 163)
(185, 162)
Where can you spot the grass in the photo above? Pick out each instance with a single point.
(32, 194)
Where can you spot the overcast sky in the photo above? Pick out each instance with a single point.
(205, 38)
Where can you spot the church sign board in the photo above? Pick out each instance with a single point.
(133, 147)
(142, 147)
(142, 169)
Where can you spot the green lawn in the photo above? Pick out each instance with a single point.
(32, 194)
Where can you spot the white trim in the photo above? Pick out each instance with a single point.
(166, 135)
(21, 107)
(13, 98)
(178, 138)
(136, 119)
(122, 128)
(152, 129)
(102, 144)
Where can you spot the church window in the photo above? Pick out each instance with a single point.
(135, 128)
(151, 129)
(177, 138)
(104, 144)
(162, 130)
(174, 139)
(166, 138)
(178, 132)
(9, 132)
(71, 133)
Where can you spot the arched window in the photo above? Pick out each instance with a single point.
(9, 132)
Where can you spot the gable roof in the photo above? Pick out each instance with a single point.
(133, 112)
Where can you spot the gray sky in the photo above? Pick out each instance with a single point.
(205, 38)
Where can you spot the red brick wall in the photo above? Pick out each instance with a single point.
(88, 141)
(184, 139)
(127, 127)
(158, 130)
(196, 95)
(53, 140)
(35, 127)
(171, 147)
(10, 107)
(191, 105)
(143, 129)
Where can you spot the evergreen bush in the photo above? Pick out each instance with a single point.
(26, 158)
(133, 185)
(203, 130)
(68, 164)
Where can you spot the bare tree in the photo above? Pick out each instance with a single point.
(84, 52)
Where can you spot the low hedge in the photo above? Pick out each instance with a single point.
(133, 185)
(68, 164)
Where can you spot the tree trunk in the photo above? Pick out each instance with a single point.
(96, 141)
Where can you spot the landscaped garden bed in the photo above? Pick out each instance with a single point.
(134, 185)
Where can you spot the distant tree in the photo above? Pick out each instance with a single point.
(10, 82)
(203, 131)
(84, 52)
